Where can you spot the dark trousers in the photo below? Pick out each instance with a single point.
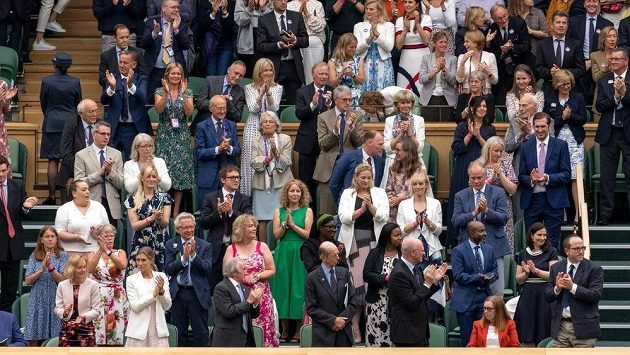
(609, 160)
(411, 345)
(539, 210)
(306, 169)
(155, 81)
(186, 310)
(438, 114)
(473, 313)
(202, 191)
(289, 79)
(216, 275)
(123, 138)
(9, 274)
(105, 203)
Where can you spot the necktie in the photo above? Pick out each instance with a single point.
(478, 259)
(226, 89)
(321, 103)
(333, 280)
(11, 229)
(478, 196)
(565, 292)
(559, 53)
(226, 227)
(167, 42)
(369, 160)
(617, 121)
(342, 129)
(241, 294)
(283, 28)
(542, 155)
(90, 139)
(417, 274)
(504, 34)
(183, 275)
(591, 36)
(102, 160)
(124, 114)
(219, 131)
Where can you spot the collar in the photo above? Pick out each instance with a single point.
(623, 75)
(280, 14)
(366, 155)
(234, 283)
(563, 39)
(185, 241)
(575, 264)
(226, 192)
(118, 49)
(215, 121)
(85, 125)
(337, 112)
(409, 265)
(326, 269)
(98, 150)
(588, 17)
(225, 82)
(323, 88)
(482, 189)
(546, 141)
(473, 245)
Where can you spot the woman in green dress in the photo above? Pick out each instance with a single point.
(291, 230)
(174, 103)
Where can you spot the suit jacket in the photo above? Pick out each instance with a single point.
(213, 85)
(573, 60)
(466, 277)
(343, 171)
(228, 323)
(89, 303)
(137, 110)
(153, 45)
(16, 195)
(22, 8)
(306, 138)
(607, 106)
(624, 33)
(199, 269)
(209, 163)
(520, 53)
(329, 142)
(576, 120)
(59, 96)
(108, 15)
(557, 166)
(281, 172)
(373, 275)
(140, 301)
(86, 167)
(268, 36)
(407, 306)
(214, 221)
(584, 304)
(577, 30)
(109, 61)
(508, 338)
(324, 304)
(449, 83)
(10, 330)
(72, 141)
(494, 220)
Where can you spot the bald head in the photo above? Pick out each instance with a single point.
(412, 250)
(329, 254)
(88, 110)
(218, 107)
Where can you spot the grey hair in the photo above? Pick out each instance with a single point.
(100, 124)
(231, 268)
(104, 228)
(141, 138)
(274, 116)
(181, 216)
(82, 103)
(341, 89)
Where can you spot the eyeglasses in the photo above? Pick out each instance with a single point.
(109, 236)
(233, 178)
(578, 248)
(329, 226)
(488, 309)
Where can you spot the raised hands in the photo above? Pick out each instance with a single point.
(111, 79)
(159, 286)
(166, 86)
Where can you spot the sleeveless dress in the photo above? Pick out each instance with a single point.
(287, 285)
(254, 264)
(356, 89)
(111, 322)
(379, 73)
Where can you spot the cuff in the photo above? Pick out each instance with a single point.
(573, 289)
(109, 91)
(132, 89)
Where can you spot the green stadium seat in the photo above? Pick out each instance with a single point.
(258, 336)
(153, 115)
(195, 84)
(520, 236)
(546, 343)
(509, 269)
(20, 308)
(306, 336)
(51, 343)
(452, 327)
(245, 114)
(288, 115)
(271, 240)
(173, 336)
(437, 336)
(498, 115)
(431, 159)
(19, 156)
(8, 63)
(245, 81)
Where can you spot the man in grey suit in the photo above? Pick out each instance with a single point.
(487, 204)
(574, 288)
(102, 168)
(235, 307)
(329, 298)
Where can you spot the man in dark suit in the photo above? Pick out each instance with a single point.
(585, 29)
(574, 288)
(558, 52)
(77, 135)
(229, 87)
(310, 101)
(613, 130)
(220, 209)
(16, 14)
(235, 306)
(109, 58)
(187, 263)
(126, 95)
(165, 39)
(409, 290)
(13, 206)
(510, 45)
(216, 145)
(370, 153)
(474, 268)
(111, 13)
(329, 298)
(544, 174)
(280, 36)
(487, 204)
(10, 333)
(624, 34)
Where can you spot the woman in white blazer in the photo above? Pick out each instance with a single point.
(375, 41)
(142, 150)
(476, 59)
(149, 298)
(363, 211)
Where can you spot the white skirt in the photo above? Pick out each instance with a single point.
(314, 53)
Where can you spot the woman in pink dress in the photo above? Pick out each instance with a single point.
(259, 269)
(6, 94)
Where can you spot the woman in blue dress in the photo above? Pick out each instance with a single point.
(347, 68)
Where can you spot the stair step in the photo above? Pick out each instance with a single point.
(615, 331)
(43, 214)
(609, 251)
(616, 291)
(612, 344)
(48, 68)
(614, 233)
(76, 14)
(614, 311)
(88, 88)
(87, 28)
(80, 4)
(88, 57)
(83, 76)
(75, 43)
(616, 271)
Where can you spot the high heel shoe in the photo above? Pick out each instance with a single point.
(50, 201)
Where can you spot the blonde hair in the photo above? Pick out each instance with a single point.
(403, 96)
(259, 67)
(471, 14)
(339, 53)
(139, 197)
(562, 77)
(382, 15)
(305, 198)
(358, 170)
(172, 66)
(487, 148)
(238, 226)
(72, 265)
(601, 43)
(476, 37)
(140, 139)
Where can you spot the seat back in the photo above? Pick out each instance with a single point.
(306, 336)
(509, 269)
(51, 343)
(498, 115)
(520, 236)
(245, 114)
(431, 159)
(153, 115)
(288, 114)
(437, 335)
(195, 84)
(546, 343)
(19, 156)
(173, 336)
(258, 336)
(8, 63)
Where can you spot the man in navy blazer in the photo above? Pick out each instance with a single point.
(488, 204)
(10, 330)
(370, 153)
(613, 130)
(126, 95)
(188, 262)
(543, 182)
(216, 145)
(474, 268)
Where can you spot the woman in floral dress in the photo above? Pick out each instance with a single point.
(6, 94)
(107, 267)
(347, 68)
(264, 94)
(149, 216)
(405, 164)
(174, 103)
(259, 269)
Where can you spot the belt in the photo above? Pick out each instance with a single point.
(186, 287)
(414, 46)
(566, 319)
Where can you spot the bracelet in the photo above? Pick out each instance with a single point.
(161, 293)
(469, 136)
(51, 268)
(292, 225)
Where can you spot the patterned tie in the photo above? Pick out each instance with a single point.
(321, 103)
(102, 160)
(565, 292)
(10, 228)
(417, 273)
(219, 131)
(226, 226)
(559, 53)
(167, 42)
(478, 197)
(369, 160)
(333, 279)
(283, 28)
(342, 129)
(478, 259)
(241, 294)
(542, 155)
(591, 37)
(183, 275)
(90, 139)
(226, 89)
(124, 114)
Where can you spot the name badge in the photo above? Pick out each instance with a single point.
(598, 31)
(610, 81)
(553, 104)
(567, 49)
(175, 122)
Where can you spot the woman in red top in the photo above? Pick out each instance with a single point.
(495, 329)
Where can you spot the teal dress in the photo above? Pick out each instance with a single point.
(173, 143)
(287, 285)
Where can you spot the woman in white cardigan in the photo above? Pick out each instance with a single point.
(363, 211)
(142, 150)
(375, 41)
(476, 59)
(149, 298)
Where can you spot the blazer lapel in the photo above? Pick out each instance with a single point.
(325, 284)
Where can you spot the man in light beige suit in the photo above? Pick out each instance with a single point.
(102, 168)
(338, 130)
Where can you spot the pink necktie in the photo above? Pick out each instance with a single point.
(541, 159)
(6, 212)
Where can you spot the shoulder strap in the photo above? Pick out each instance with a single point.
(233, 249)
